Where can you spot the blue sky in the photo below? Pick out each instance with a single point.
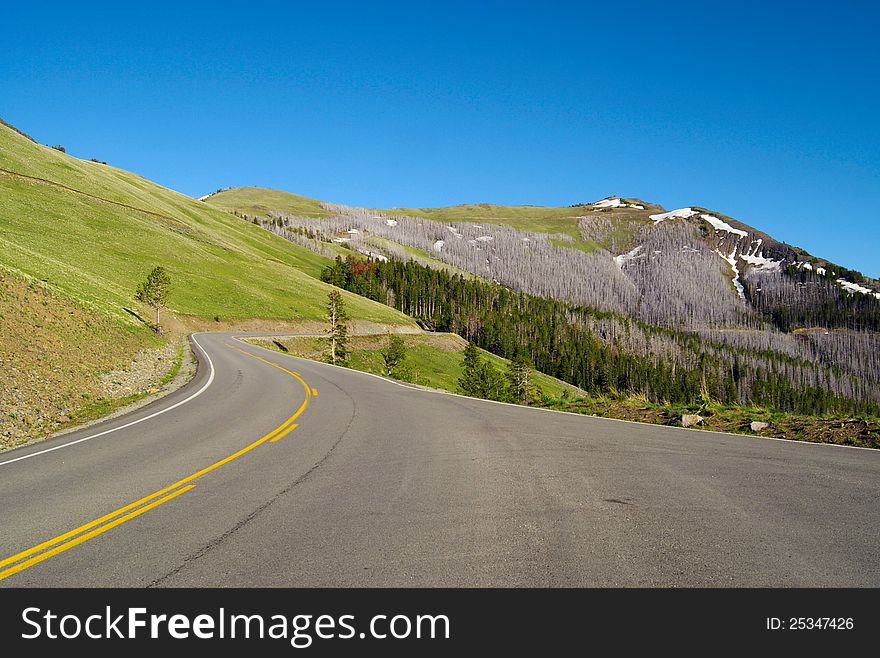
(764, 111)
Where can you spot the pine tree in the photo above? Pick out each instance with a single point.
(153, 291)
(338, 319)
(394, 354)
(471, 378)
(493, 385)
(519, 378)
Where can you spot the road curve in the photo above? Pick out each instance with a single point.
(286, 472)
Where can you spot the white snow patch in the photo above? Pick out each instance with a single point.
(454, 231)
(353, 231)
(721, 225)
(373, 254)
(391, 222)
(854, 287)
(341, 240)
(759, 262)
(485, 238)
(202, 198)
(615, 202)
(731, 260)
(755, 248)
(438, 246)
(682, 213)
(630, 255)
(611, 202)
(807, 266)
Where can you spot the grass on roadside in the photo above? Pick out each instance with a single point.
(432, 360)
(862, 432)
(435, 360)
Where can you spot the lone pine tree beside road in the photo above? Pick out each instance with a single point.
(393, 355)
(338, 319)
(519, 377)
(480, 379)
(153, 291)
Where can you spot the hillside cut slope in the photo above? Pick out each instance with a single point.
(76, 238)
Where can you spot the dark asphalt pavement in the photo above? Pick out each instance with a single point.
(384, 485)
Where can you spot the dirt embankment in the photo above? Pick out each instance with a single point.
(53, 353)
(62, 365)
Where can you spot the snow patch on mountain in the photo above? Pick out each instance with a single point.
(630, 255)
(616, 202)
(721, 225)
(854, 287)
(731, 260)
(681, 213)
(391, 222)
(821, 271)
(485, 238)
(759, 262)
(684, 213)
(373, 254)
(849, 286)
(438, 246)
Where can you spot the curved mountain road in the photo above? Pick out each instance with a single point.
(267, 470)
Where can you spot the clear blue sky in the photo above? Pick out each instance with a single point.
(766, 111)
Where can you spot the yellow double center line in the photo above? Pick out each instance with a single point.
(45, 550)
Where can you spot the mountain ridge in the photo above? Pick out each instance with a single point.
(563, 220)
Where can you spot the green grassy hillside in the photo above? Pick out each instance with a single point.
(94, 231)
(562, 221)
(260, 201)
(76, 238)
(538, 219)
(433, 360)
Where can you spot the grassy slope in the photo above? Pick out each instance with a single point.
(536, 219)
(51, 351)
(432, 359)
(76, 238)
(96, 251)
(259, 201)
(419, 255)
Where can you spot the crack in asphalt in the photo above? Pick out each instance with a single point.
(218, 541)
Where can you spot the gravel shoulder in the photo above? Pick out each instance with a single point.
(142, 381)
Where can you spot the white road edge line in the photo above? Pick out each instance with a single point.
(134, 422)
(437, 391)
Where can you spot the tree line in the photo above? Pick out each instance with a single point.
(602, 352)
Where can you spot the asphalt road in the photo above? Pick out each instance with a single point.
(377, 484)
